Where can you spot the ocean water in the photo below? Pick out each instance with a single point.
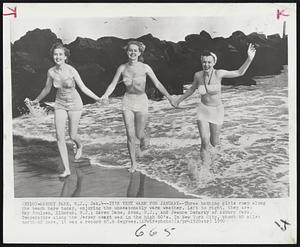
(252, 161)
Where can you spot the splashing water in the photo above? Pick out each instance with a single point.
(251, 162)
(37, 110)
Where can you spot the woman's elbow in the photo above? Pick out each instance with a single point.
(239, 73)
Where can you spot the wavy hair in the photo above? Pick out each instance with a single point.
(140, 45)
(59, 45)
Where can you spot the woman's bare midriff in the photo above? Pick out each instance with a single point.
(211, 100)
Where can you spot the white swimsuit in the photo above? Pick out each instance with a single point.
(132, 101)
(135, 102)
(211, 114)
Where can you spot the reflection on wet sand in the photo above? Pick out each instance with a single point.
(136, 185)
(37, 166)
(72, 184)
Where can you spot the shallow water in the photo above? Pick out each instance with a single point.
(251, 163)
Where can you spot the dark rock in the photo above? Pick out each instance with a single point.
(173, 63)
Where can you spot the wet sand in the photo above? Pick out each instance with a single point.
(37, 165)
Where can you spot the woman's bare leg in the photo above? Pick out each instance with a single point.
(214, 134)
(60, 117)
(128, 117)
(203, 128)
(74, 117)
(140, 124)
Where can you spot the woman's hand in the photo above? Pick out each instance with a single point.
(251, 51)
(98, 100)
(104, 100)
(31, 102)
(173, 102)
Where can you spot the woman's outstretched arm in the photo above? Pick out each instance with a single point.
(158, 84)
(114, 83)
(46, 89)
(242, 70)
(82, 86)
(188, 92)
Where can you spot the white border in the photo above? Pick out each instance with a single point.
(235, 233)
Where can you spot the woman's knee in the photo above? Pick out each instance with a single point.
(140, 135)
(214, 141)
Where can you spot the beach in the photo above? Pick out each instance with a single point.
(252, 161)
(39, 178)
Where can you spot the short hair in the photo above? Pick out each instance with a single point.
(59, 45)
(207, 53)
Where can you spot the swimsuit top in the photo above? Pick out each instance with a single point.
(207, 88)
(128, 79)
(64, 84)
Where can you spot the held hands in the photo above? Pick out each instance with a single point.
(173, 102)
(103, 100)
(31, 102)
(251, 51)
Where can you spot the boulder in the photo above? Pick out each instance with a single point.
(173, 63)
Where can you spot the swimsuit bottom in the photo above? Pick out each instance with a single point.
(135, 102)
(211, 114)
(68, 100)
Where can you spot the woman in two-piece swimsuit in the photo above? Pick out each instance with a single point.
(135, 101)
(210, 112)
(68, 103)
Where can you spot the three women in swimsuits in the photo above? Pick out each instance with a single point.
(210, 112)
(135, 101)
(68, 103)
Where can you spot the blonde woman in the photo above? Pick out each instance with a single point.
(135, 101)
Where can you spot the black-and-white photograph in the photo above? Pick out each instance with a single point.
(150, 107)
(191, 111)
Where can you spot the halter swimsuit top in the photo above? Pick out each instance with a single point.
(207, 88)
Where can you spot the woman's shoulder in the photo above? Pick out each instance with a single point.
(70, 67)
(121, 68)
(147, 67)
(198, 74)
(70, 70)
(51, 71)
(219, 72)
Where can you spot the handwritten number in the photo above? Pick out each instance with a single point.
(139, 233)
(167, 231)
(152, 232)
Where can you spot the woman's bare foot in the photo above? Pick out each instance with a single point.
(65, 174)
(144, 143)
(78, 152)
